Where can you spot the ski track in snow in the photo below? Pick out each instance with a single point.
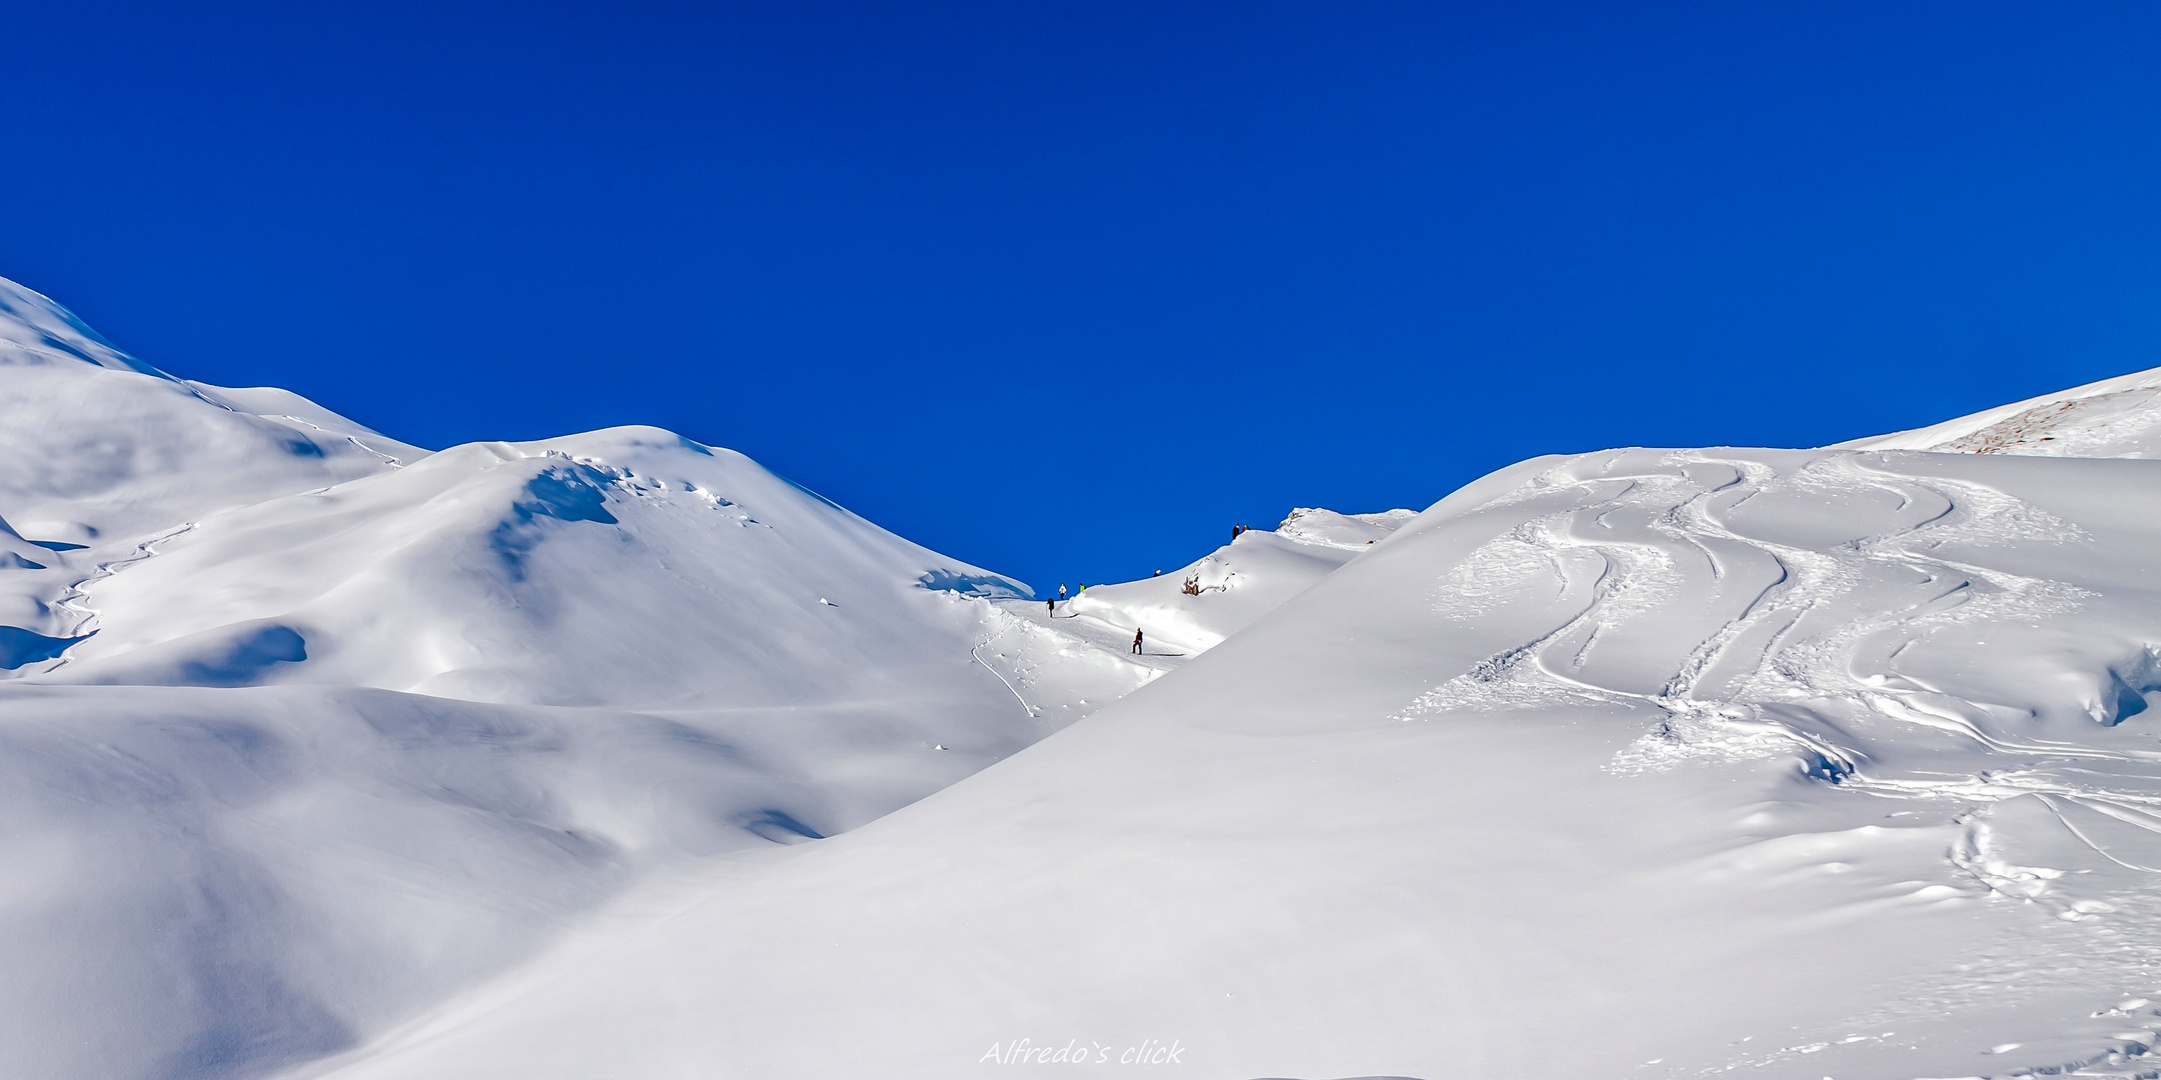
(976, 654)
(1793, 656)
(1061, 636)
(1629, 577)
(76, 600)
(364, 447)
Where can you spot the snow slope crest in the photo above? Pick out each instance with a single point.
(1312, 525)
(1195, 608)
(2119, 417)
(35, 330)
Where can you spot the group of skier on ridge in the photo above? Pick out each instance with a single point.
(1051, 604)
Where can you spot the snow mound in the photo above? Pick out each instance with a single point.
(2119, 417)
(1315, 526)
(1194, 609)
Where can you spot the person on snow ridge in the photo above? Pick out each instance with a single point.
(1052, 606)
(1136, 642)
(1061, 590)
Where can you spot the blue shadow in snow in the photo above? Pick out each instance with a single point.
(19, 646)
(561, 493)
(246, 659)
(780, 827)
(985, 585)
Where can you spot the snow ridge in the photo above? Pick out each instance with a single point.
(2119, 417)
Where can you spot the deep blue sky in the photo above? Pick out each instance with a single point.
(1066, 290)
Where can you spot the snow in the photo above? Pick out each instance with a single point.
(1790, 763)
(2119, 417)
(1639, 763)
(617, 755)
(308, 728)
(1352, 531)
(36, 331)
(1191, 610)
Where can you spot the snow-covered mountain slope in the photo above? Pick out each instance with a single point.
(619, 567)
(2119, 417)
(306, 729)
(322, 754)
(1639, 763)
(106, 453)
(102, 446)
(186, 534)
(1191, 611)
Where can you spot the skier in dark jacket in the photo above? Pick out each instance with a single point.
(1136, 642)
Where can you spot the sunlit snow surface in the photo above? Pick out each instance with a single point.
(1194, 608)
(1642, 763)
(1634, 764)
(607, 756)
(305, 729)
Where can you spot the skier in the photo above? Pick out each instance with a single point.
(1136, 643)
(1051, 606)
(1061, 590)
